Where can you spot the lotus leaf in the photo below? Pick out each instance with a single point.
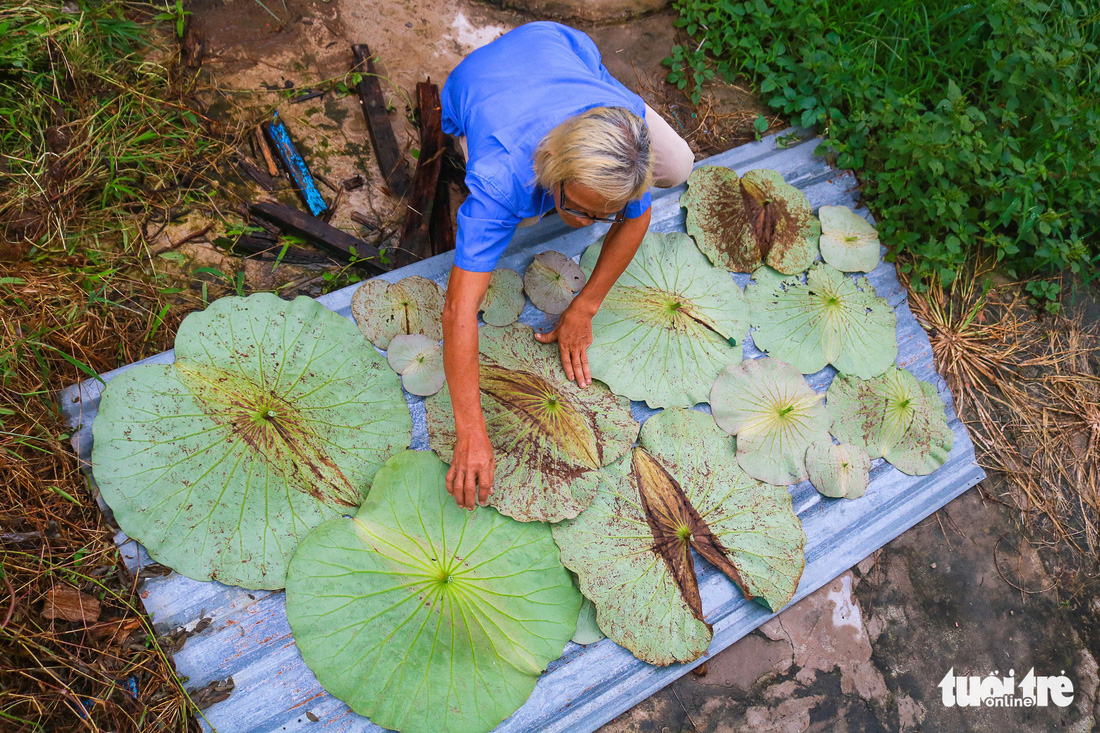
(419, 361)
(274, 417)
(588, 629)
(412, 305)
(504, 299)
(848, 241)
(828, 320)
(551, 280)
(426, 617)
(838, 470)
(679, 489)
(775, 415)
(549, 435)
(669, 324)
(741, 222)
(894, 416)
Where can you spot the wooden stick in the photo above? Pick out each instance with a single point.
(441, 228)
(339, 242)
(261, 143)
(390, 161)
(415, 242)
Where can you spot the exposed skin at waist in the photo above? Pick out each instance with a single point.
(470, 478)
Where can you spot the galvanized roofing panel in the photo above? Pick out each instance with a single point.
(249, 637)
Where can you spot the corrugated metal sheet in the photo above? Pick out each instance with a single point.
(249, 637)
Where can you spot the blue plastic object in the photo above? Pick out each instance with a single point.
(295, 165)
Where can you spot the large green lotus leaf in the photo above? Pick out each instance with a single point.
(838, 470)
(894, 416)
(504, 299)
(424, 616)
(411, 305)
(550, 436)
(419, 361)
(848, 241)
(775, 415)
(274, 417)
(551, 280)
(829, 319)
(669, 324)
(680, 489)
(740, 223)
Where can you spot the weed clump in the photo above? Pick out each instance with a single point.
(974, 127)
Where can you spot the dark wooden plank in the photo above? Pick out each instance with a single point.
(441, 229)
(415, 242)
(336, 241)
(390, 161)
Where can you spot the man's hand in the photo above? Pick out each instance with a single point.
(574, 335)
(470, 478)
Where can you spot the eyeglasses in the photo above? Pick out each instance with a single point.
(616, 219)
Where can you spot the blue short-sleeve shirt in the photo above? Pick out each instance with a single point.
(505, 97)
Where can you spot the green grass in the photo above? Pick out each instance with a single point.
(974, 127)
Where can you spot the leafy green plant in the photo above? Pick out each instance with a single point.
(973, 127)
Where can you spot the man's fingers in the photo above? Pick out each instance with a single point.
(578, 368)
(584, 367)
(566, 362)
(485, 486)
(469, 490)
(547, 338)
(449, 482)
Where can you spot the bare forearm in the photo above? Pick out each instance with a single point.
(460, 363)
(619, 247)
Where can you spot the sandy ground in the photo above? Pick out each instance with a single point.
(863, 653)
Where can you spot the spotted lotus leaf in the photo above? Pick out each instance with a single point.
(775, 415)
(894, 416)
(838, 470)
(504, 299)
(426, 617)
(829, 319)
(551, 280)
(740, 223)
(550, 436)
(669, 324)
(680, 489)
(848, 241)
(419, 361)
(411, 305)
(274, 417)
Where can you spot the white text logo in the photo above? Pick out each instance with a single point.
(993, 691)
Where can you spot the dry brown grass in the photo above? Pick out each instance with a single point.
(52, 534)
(1028, 387)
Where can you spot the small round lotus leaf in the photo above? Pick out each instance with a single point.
(551, 280)
(669, 324)
(274, 417)
(426, 617)
(848, 241)
(504, 299)
(550, 436)
(419, 361)
(838, 470)
(775, 415)
(412, 305)
(588, 629)
(893, 416)
(740, 223)
(828, 320)
(681, 489)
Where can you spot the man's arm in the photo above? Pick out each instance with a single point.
(470, 478)
(574, 330)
